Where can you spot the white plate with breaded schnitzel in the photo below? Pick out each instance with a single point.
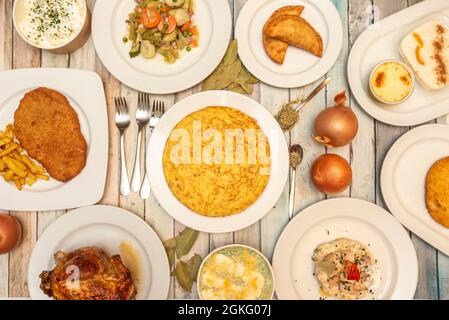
(60, 122)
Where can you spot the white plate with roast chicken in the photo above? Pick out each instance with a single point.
(99, 253)
(345, 249)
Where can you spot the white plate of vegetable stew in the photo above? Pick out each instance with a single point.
(161, 46)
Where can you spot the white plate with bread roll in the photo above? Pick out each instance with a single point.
(418, 38)
(414, 181)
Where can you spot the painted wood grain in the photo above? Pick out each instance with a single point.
(363, 146)
(5, 64)
(366, 153)
(24, 57)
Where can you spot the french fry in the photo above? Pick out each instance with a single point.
(18, 184)
(4, 141)
(31, 181)
(11, 147)
(9, 131)
(42, 177)
(15, 166)
(32, 165)
(11, 163)
(8, 175)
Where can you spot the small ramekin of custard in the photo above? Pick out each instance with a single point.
(391, 82)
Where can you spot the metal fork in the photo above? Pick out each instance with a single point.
(142, 118)
(122, 121)
(156, 114)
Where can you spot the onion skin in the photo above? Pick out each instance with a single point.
(10, 233)
(336, 126)
(331, 174)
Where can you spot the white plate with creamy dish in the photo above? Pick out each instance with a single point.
(60, 26)
(345, 249)
(148, 45)
(417, 37)
(235, 272)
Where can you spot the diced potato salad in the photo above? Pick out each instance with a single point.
(161, 26)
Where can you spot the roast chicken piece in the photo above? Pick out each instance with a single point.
(100, 277)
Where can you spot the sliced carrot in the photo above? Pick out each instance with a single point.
(194, 43)
(150, 18)
(186, 26)
(167, 24)
(194, 30)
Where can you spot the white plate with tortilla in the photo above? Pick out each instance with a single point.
(279, 162)
(382, 41)
(214, 21)
(105, 227)
(85, 93)
(357, 220)
(300, 67)
(403, 181)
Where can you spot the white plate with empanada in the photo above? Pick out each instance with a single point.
(299, 67)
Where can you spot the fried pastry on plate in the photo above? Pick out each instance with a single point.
(437, 192)
(277, 49)
(297, 32)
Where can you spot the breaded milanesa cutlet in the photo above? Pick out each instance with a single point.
(49, 130)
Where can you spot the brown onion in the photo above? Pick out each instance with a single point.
(331, 174)
(10, 233)
(336, 126)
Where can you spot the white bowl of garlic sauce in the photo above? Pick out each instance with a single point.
(60, 26)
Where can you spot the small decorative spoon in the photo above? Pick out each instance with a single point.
(296, 156)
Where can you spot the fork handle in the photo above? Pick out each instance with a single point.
(124, 180)
(136, 179)
(145, 189)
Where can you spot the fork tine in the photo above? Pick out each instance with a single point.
(147, 103)
(153, 109)
(163, 107)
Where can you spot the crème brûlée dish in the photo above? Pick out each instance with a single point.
(235, 273)
(211, 168)
(391, 82)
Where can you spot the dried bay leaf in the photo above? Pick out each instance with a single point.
(231, 54)
(231, 74)
(185, 241)
(223, 78)
(184, 275)
(195, 264)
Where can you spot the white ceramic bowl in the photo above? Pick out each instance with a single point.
(233, 246)
(279, 162)
(73, 43)
(373, 92)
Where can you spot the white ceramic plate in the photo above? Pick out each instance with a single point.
(380, 42)
(279, 162)
(300, 67)
(105, 227)
(85, 92)
(214, 21)
(403, 180)
(350, 218)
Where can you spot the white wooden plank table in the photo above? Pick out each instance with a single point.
(365, 154)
